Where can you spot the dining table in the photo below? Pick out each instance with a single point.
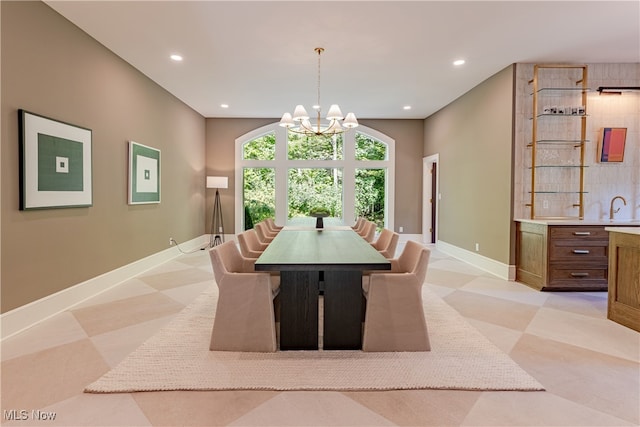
(310, 260)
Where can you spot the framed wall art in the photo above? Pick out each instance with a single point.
(55, 163)
(144, 174)
(613, 141)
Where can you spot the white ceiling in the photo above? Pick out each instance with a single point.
(258, 56)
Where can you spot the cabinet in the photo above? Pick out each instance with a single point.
(624, 271)
(557, 145)
(562, 257)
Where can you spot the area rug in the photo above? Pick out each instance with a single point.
(178, 358)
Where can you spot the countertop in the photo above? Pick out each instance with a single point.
(626, 230)
(612, 223)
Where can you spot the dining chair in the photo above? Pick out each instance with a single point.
(245, 314)
(386, 243)
(264, 235)
(359, 223)
(394, 317)
(250, 246)
(368, 231)
(272, 225)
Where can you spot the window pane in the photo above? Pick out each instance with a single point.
(368, 148)
(259, 195)
(262, 148)
(315, 188)
(302, 147)
(370, 194)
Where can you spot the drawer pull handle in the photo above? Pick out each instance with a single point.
(582, 233)
(579, 274)
(581, 251)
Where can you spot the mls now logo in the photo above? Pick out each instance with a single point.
(23, 415)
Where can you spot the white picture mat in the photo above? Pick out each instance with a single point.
(146, 188)
(33, 125)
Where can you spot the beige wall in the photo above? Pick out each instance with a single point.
(473, 137)
(52, 68)
(222, 133)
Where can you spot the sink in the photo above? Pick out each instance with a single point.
(624, 221)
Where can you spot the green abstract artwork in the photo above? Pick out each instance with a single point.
(60, 165)
(144, 174)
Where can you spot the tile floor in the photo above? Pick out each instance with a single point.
(588, 364)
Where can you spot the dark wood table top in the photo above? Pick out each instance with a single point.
(337, 249)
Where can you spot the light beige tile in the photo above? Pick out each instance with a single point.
(510, 291)
(61, 329)
(498, 311)
(177, 278)
(43, 378)
(111, 316)
(311, 408)
(127, 289)
(419, 407)
(187, 293)
(535, 409)
(600, 335)
(589, 304)
(108, 410)
(604, 383)
(446, 278)
(199, 408)
(504, 338)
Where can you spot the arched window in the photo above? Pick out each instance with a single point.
(285, 175)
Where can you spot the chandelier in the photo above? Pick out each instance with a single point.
(301, 124)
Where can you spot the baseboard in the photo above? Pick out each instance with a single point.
(406, 237)
(28, 315)
(501, 270)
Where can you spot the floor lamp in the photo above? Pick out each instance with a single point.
(217, 227)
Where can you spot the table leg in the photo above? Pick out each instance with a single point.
(299, 310)
(342, 310)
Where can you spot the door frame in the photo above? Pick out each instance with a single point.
(427, 196)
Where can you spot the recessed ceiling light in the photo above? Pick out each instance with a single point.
(176, 57)
(458, 62)
(407, 107)
(224, 105)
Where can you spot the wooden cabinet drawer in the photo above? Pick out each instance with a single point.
(577, 277)
(574, 251)
(579, 233)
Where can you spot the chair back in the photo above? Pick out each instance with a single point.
(271, 224)
(225, 259)
(263, 235)
(368, 231)
(387, 243)
(249, 245)
(359, 223)
(383, 240)
(414, 259)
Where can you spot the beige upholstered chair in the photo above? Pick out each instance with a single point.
(368, 231)
(387, 243)
(272, 225)
(264, 235)
(250, 246)
(245, 318)
(359, 224)
(394, 319)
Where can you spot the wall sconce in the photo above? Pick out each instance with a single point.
(616, 90)
(217, 227)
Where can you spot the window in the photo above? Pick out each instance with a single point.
(284, 175)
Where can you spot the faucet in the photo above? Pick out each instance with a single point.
(611, 211)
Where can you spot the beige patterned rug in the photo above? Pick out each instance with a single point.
(178, 358)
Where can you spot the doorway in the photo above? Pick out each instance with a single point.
(430, 197)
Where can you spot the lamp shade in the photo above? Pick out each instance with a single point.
(217, 182)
